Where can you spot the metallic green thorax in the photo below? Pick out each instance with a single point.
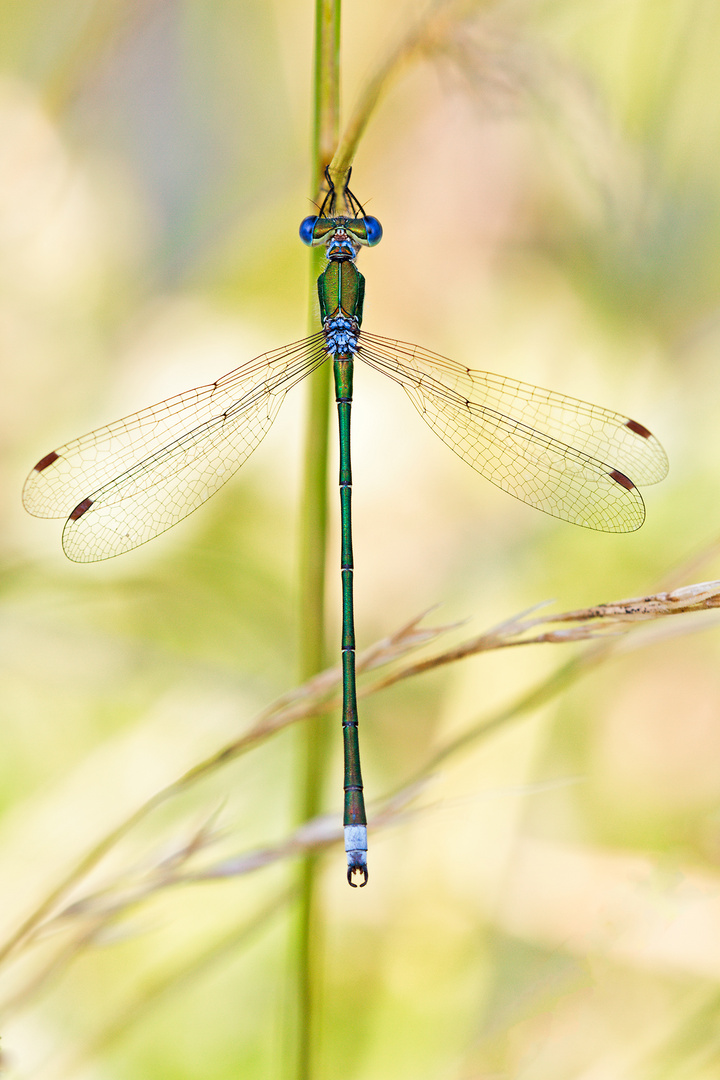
(341, 285)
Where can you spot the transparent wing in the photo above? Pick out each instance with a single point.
(128, 482)
(574, 461)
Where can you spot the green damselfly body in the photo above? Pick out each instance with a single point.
(130, 481)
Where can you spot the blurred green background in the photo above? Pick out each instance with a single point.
(548, 178)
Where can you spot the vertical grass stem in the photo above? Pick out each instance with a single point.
(314, 749)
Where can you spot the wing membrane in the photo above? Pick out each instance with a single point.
(573, 460)
(131, 480)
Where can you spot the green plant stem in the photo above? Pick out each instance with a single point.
(430, 30)
(314, 750)
(313, 738)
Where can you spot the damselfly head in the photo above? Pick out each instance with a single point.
(341, 218)
(363, 231)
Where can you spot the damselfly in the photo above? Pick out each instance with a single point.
(126, 483)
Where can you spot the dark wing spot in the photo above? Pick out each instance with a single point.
(619, 477)
(47, 460)
(638, 429)
(81, 508)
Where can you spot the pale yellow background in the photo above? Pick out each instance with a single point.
(549, 186)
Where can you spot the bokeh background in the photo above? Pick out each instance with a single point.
(548, 178)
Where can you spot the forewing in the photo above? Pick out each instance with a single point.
(573, 460)
(131, 480)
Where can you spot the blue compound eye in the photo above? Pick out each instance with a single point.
(307, 229)
(373, 230)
